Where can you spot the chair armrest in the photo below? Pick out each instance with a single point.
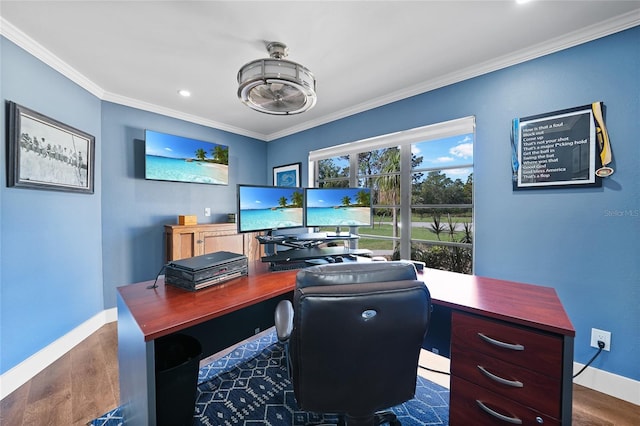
(284, 320)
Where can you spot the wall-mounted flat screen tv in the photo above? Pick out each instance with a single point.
(268, 208)
(180, 159)
(336, 207)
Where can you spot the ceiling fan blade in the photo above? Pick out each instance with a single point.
(277, 97)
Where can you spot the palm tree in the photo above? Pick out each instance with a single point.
(221, 154)
(282, 201)
(201, 154)
(363, 198)
(297, 198)
(346, 200)
(389, 187)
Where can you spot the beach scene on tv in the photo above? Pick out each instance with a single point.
(338, 207)
(179, 159)
(263, 208)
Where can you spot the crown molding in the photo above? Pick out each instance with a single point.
(587, 34)
(593, 32)
(12, 33)
(146, 106)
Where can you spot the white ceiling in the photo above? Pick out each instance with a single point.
(363, 53)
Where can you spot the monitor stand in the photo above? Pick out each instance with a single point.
(338, 233)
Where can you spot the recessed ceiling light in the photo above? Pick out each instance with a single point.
(184, 93)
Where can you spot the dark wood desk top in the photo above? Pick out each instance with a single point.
(168, 309)
(525, 304)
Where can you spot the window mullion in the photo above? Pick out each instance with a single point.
(405, 201)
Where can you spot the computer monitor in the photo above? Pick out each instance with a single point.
(338, 207)
(269, 208)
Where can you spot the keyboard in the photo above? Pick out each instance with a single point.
(265, 239)
(288, 266)
(310, 236)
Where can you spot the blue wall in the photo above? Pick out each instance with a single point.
(570, 239)
(135, 210)
(583, 242)
(54, 244)
(51, 242)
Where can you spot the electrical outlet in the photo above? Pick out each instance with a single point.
(601, 335)
(207, 211)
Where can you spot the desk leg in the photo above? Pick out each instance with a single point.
(567, 380)
(136, 365)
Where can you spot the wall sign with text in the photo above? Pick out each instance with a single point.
(560, 149)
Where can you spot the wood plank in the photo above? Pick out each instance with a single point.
(90, 375)
(592, 408)
(108, 338)
(12, 407)
(49, 400)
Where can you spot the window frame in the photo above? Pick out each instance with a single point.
(403, 140)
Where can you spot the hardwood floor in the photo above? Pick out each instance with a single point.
(74, 390)
(83, 384)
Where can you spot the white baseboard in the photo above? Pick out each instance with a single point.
(27, 369)
(612, 384)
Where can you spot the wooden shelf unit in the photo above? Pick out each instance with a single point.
(183, 241)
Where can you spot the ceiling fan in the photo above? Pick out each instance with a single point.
(276, 85)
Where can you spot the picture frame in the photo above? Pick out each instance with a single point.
(556, 150)
(287, 175)
(176, 158)
(46, 154)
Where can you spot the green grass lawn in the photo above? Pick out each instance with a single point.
(417, 233)
(425, 218)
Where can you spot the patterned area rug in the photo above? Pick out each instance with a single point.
(250, 387)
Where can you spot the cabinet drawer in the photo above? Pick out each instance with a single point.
(472, 405)
(534, 350)
(512, 381)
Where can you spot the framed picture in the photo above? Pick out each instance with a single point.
(287, 175)
(557, 149)
(180, 159)
(47, 154)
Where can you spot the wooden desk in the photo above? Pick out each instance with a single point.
(222, 315)
(217, 316)
(539, 374)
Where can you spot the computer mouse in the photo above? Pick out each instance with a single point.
(330, 259)
(339, 259)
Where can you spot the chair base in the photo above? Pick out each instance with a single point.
(378, 419)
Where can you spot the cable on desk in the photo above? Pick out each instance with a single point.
(155, 283)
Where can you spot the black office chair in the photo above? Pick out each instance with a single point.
(354, 334)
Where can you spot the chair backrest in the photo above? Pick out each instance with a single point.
(358, 330)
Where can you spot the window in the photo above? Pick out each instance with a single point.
(421, 177)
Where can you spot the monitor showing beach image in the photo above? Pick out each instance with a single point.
(179, 159)
(338, 207)
(262, 208)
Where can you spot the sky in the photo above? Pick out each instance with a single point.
(263, 197)
(165, 145)
(442, 153)
(448, 152)
(329, 197)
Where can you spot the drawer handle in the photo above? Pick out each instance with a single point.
(500, 344)
(513, 383)
(513, 420)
